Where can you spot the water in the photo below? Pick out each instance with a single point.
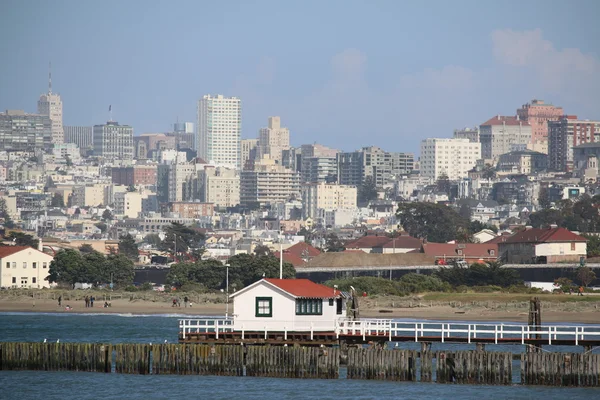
(25, 385)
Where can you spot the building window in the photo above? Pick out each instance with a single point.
(44, 265)
(33, 280)
(330, 302)
(7, 265)
(573, 246)
(24, 265)
(264, 306)
(14, 279)
(34, 265)
(492, 252)
(14, 265)
(309, 307)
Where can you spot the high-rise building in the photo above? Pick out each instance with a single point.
(452, 157)
(50, 104)
(219, 130)
(273, 139)
(565, 133)
(383, 167)
(82, 136)
(268, 183)
(319, 169)
(134, 175)
(113, 141)
(24, 132)
(220, 186)
(467, 133)
(327, 197)
(249, 153)
(501, 134)
(292, 158)
(185, 135)
(538, 114)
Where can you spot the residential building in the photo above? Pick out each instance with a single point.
(502, 134)
(51, 106)
(249, 153)
(467, 133)
(82, 136)
(292, 158)
(185, 135)
(543, 246)
(480, 210)
(113, 141)
(538, 114)
(219, 186)
(135, 175)
(383, 167)
(66, 151)
(517, 189)
(451, 157)
(182, 180)
(522, 162)
(273, 139)
(327, 197)
(564, 134)
(319, 169)
(24, 267)
(20, 131)
(128, 204)
(88, 195)
(585, 161)
(384, 244)
(268, 183)
(219, 130)
(187, 209)
(470, 253)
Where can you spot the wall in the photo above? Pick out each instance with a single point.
(25, 275)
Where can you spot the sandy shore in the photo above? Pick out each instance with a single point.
(589, 314)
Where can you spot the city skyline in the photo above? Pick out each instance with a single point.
(370, 77)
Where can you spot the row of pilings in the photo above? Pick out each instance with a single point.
(461, 367)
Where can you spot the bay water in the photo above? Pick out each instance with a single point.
(127, 328)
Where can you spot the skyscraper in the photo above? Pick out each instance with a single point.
(50, 105)
(273, 139)
(219, 130)
(82, 136)
(24, 132)
(113, 141)
(539, 114)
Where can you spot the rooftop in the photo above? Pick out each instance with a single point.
(505, 120)
(545, 235)
(303, 288)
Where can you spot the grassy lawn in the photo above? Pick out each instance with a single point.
(508, 297)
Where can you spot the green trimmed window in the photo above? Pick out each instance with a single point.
(264, 306)
(309, 307)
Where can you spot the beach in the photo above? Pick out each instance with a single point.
(378, 307)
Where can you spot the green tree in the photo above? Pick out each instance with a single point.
(488, 172)
(544, 198)
(367, 191)
(86, 248)
(65, 268)
(22, 239)
(434, 222)
(5, 216)
(333, 243)
(117, 269)
(308, 235)
(69, 162)
(102, 226)
(57, 200)
(107, 215)
(247, 269)
(128, 247)
(153, 239)
(465, 211)
(262, 250)
(182, 238)
(443, 183)
(585, 276)
(593, 245)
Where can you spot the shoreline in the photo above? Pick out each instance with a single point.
(125, 307)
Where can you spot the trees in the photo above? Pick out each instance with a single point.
(65, 267)
(488, 172)
(152, 239)
(367, 191)
(128, 247)
(86, 248)
(5, 216)
(23, 239)
(544, 198)
(333, 243)
(180, 238)
(479, 275)
(102, 226)
(593, 245)
(434, 222)
(118, 270)
(443, 183)
(107, 215)
(585, 275)
(262, 250)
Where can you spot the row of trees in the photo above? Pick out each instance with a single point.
(581, 215)
(244, 269)
(73, 266)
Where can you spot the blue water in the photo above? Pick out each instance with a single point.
(156, 329)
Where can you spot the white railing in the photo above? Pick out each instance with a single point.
(424, 331)
(420, 331)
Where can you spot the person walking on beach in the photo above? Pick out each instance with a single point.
(185, 301)
(87, 302)
(580, 290)
(59, 301)
(174, 302)
(92, 301)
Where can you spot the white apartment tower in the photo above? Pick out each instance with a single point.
(113, 141)
(273, 139)
(453, 157)
(50, 105)
(219, 130)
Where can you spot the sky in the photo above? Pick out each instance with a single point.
(345, 74)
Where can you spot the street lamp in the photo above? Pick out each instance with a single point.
(227, 290)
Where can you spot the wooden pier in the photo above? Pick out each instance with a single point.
(459, 367)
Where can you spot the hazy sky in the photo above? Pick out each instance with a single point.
(343, 73)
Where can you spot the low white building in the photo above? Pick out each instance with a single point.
(287, 305)
(24, 267)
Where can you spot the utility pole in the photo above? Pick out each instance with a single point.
(227, 291)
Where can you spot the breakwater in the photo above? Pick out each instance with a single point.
(460, 367)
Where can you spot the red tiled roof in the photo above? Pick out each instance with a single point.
(303, 288)
(500, 120)
(499, 239)
(468, 250)
(6, 251)
(545, 235)
(368, 242)
(291, 258)
(302, 249)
